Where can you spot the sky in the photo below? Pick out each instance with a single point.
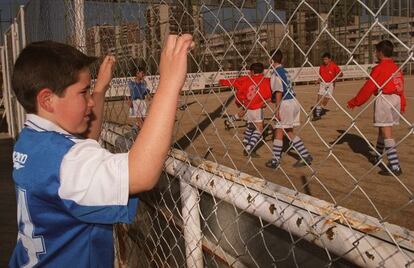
(112, 13)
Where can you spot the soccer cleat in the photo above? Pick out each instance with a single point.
(316, 117)
(396, 172)
(374, 159)
(227, 124)
(304, 161)
(272, 163)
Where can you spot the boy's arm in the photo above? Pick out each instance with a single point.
(98, 96)
(148, 153)
(366, 91)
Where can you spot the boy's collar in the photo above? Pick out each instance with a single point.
(39, 123)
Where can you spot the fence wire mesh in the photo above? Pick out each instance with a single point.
(217, 203)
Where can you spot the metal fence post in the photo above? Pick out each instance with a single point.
(6, 95)
(192, 226)
(8, 88)
(79, 25)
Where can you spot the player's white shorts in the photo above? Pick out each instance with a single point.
(138, 109)
(387, 110)
(326, 89)
(254, 116)
(289, 112)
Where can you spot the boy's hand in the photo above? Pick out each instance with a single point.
(105, 74)
(173, 64)
(277, 115)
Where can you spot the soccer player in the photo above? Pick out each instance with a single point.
(252, 91)
(387, 83)
(287, 114)
(329, 72)
(70, 191)
(138, 91)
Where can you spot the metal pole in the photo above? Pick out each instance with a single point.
(14, 57)
(23, 26)
(8, 82)
(22, 44)
(192, 225)
(6, 95)
(283, 207)
(16, 48)
(79, 25)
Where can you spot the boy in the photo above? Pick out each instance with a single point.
(138, 90)
(287, 114)
(329, 72)
(252, 91)
(387, 83)
(70, 190)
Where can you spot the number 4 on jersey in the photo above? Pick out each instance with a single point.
(33, 245)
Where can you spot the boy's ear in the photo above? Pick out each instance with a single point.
(45, 99)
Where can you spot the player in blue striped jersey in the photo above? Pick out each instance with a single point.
(70, 190)
(287, 114)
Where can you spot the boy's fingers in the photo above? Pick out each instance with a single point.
(186, 46)
(170, 42)
(183, 42)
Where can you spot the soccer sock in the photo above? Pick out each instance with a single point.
(247, 135)
(277, 149)
(298, 144)
(318, 110)
(380, 145)
(254, 140)
(392, 154)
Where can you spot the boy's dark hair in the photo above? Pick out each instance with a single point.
(137, 68)
(257, 68)
(327, 55)
(46, 64)
(386, 47)
(277, 55)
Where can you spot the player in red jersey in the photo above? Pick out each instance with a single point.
(252, 92)
(386, 82)
(328, 73)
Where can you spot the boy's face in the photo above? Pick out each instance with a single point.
(379, 54)
(326, 60)
(73, 110)
(140, 75)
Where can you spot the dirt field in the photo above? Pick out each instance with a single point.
(342, 175)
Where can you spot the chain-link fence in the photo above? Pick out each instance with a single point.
(217, 203)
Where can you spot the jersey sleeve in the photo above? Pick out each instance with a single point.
(265, 91)
(366, 91)
(227, 82)
(131, 86)
(241, 94)
(94, 184)
(276, 83)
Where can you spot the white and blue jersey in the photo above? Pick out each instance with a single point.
(69, 193)
(289, 109)
(280, 81)
(138, 90)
